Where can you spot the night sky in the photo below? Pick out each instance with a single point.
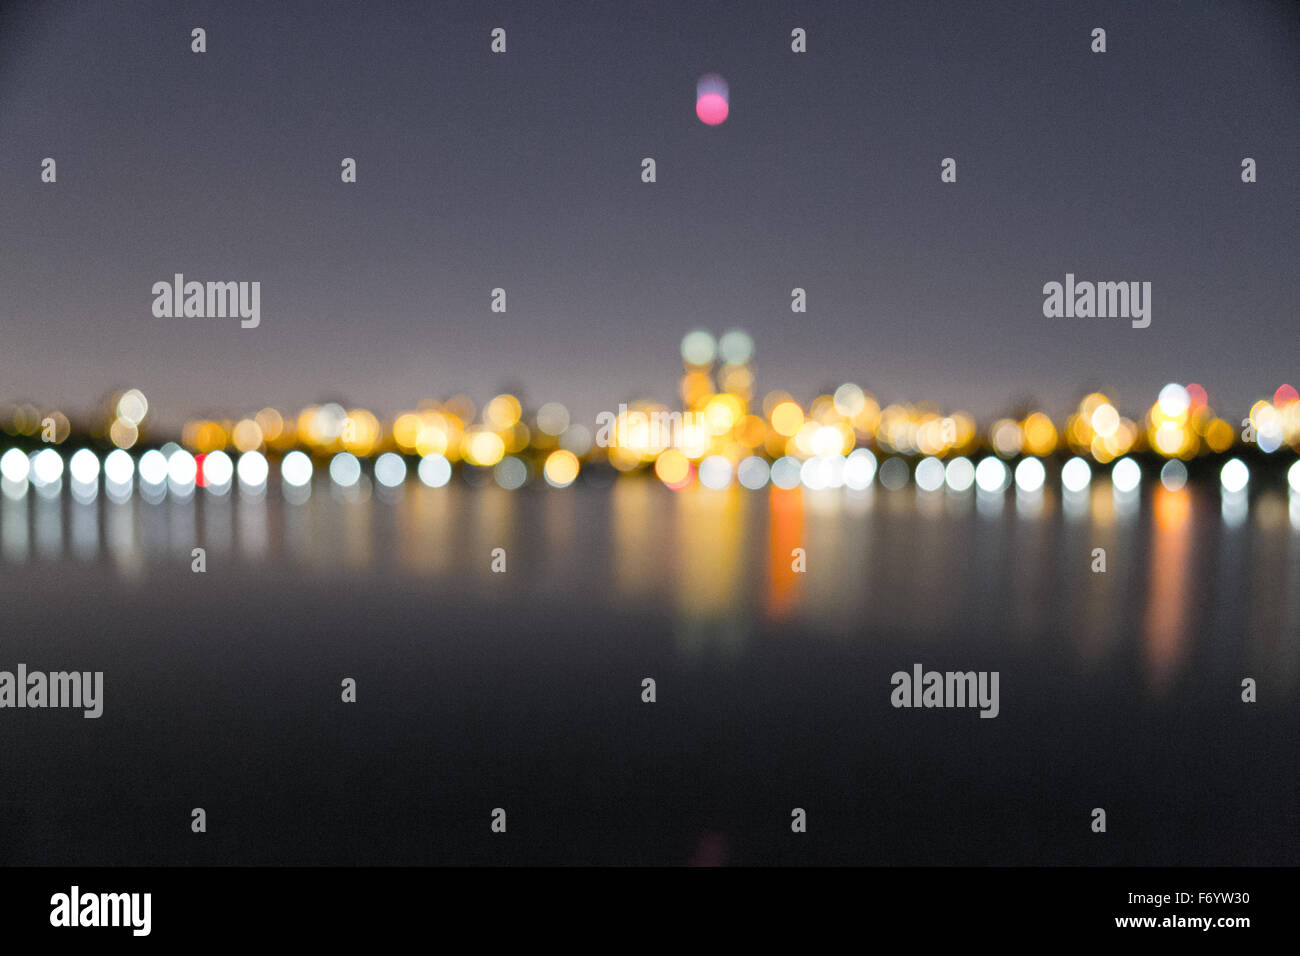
(522, 171)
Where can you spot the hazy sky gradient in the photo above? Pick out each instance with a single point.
(523, 171)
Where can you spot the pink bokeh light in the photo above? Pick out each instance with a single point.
(712, 99)
(711, 109)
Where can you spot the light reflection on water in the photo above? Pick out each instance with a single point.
(929, 565)
(1118, 688)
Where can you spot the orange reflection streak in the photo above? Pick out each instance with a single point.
(1170, 577)
(785, 533)
(711, 571)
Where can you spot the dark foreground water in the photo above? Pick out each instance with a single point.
(522, 690)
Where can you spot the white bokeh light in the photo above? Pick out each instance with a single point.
(1174, 400)
(1173, 475)
(1030, 475)
(14, 469)
(1076, 475)
(345, 469)
(929, 474)
(991, 475)
(84, 467)
(434, 470)
(786, 472)
(253, 470)
(152, 468)
(752, 473)
(182, 469)
(295, 469)
(715, 472)
(47, 468)
(859, 469)
(119, 470)
(1235, 476)
(14, 466)
(390, 469)
(893, 473)
(960, 474)
(218, 471)
(1126, 475)
(815, 473)
(510, 473)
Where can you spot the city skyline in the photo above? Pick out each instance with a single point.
(521, 171)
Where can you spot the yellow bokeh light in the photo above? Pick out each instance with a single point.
(694, 441)
(431, 441)
(122, 433)
(132, 407)
(483, 447)
(307, 429)
(849, 400)
(624, 459)
(1100, 450)
(246, 435)
(270, 422)
(516, 437)
(203, 436)
(561, 468)
(737, 380)
(360, 432)
(1105, 420)
(1040, 435)
(1219, 435)
(787, 419)
(1007, 438)
(751, 431)
(696, 387)
(502, 412)
(826, 440)
(672, 467)
(1168, 439)
(867, 420)
(721, 413)
(1091, 403)
(406, 430)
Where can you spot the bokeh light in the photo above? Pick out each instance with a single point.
(390, 470)
(699, 348)
(1234, 476)
(712, 99)
(859, 469)
(959, 474)
(1076, 475)
(715, 472)
(296, 469)
(1173, 475)
(217, 472)
(991, 475)
(1030, 475)
(1126, 475)
(752, 473)
(434, 470)
(929, 474)
(561, 468)
(345, 469)
(252, 469)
